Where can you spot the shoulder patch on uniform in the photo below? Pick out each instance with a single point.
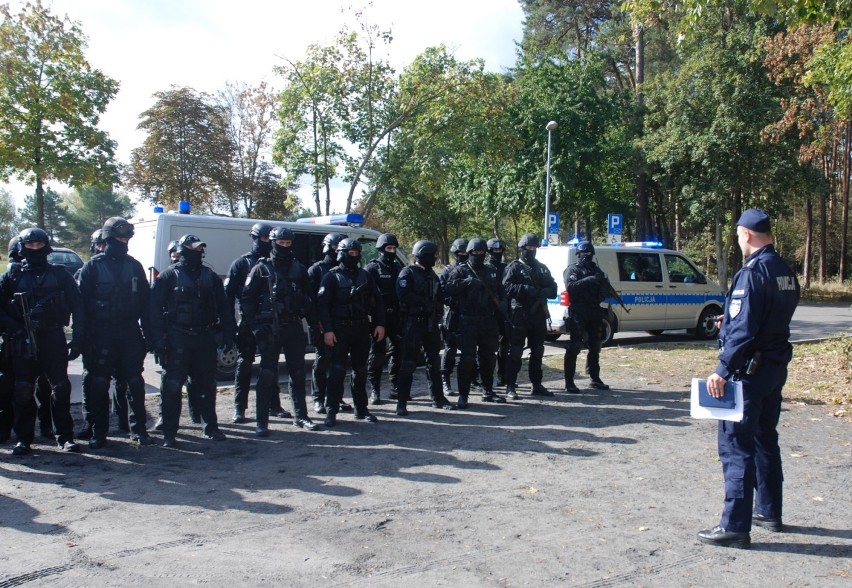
(735, 307)
(738, 293)
(403, 283)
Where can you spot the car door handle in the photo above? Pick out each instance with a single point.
(672, 286)
(658, 285)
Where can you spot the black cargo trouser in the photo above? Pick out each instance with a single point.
(190, 355)
(353, 346)
(583, 327)
(477, 341)
(291, 340)
(390, 346)
(530, 330)
(420, 333)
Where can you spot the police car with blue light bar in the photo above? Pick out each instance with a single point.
(663, 289)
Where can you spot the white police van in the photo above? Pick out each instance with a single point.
(663, 290)
(227, 238)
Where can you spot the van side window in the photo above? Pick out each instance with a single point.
(681, 271)
(368, 250)
(639, 267)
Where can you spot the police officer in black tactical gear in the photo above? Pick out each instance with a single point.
(261, 247)
(385, 270)
(188, 310)
(115, 296)
(37, 299)
(421, 304)
(322, 361)
(276, 297)
(528, 285)
(450, 323)
(478, 293)
(350, 309)
(496, 249)
(587, 287)
(7, 373)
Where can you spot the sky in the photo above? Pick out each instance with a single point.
(149, 45)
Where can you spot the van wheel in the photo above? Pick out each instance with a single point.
(706, 327)
(226, 362)
(655, 332)
(607, 332)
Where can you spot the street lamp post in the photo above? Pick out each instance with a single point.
(550, 127)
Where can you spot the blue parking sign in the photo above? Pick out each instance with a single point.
(615, 224)
(553, 223)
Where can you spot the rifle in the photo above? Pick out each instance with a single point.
(273, 301)
(30, 343)
(612, 293)
(504, 313)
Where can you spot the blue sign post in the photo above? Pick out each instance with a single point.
(614, 228)
(552, 236)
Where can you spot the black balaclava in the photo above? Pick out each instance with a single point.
(35, 258)
(586, 258)
(191, 257)
(460, 256)
(115, 248)
(427, 260)
(477, 262)
(351, 262)
(261, 248)
(495, 257)
(388, 257)
(527, 255)
(281, 255)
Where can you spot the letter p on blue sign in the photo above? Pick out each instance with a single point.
(615, 224)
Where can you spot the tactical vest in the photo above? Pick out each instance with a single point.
(44, 297)
(353, 298)
(424, 286)
(479, 301)
(385, 277)
(284, 290)
(193, 300)
(116, 298)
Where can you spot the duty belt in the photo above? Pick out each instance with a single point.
(202, 330)
(351, 322)
(289, 318)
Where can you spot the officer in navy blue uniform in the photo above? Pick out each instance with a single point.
(322, 360)
(189, 311)
(421, 304)
(528, 285)
(479, 296)
(450, 324)
(385, 271)
(495, 258)
(115, 295)
(350, 309)
(754, 348)
(587, 287)
(37, 300)
(246, 344)
(277, 295)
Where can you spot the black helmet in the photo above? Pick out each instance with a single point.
(173, 246)
(459, 246)
(13, 248)
(424, 247)
(585, 248)
(259, 230)
(330, 242)
(97, 239)
(188, 242)
(477, 244)
(386, 239)
(117, 227)
(344, 246)
(34, 235)
(528, 239)
(495, 244)
(281, 234)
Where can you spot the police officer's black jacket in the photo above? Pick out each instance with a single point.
(237, 276)
(420, 294)
(190, 298)
(477, 292)
(284, 285)
(385, 276)
(115, 291)
(320, 268)
(587, 287)
(528, 287)
(349, 296)
(52, 295)
(758, 309)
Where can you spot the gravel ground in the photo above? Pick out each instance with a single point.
(599, 489)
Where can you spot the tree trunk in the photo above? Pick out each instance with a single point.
(721, 253)
(809, 243)
(823, 240)
(678, 220)
(844, 201)
(643, 215)
(316, 164)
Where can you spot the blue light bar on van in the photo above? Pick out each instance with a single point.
(639, 244)
(353, 219)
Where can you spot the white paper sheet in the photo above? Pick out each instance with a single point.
(697, 411)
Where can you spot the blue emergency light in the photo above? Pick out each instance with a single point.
(351, 219)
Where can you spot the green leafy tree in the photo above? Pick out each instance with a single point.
(51, 101)
(7, 217)
(87, 208)
(187, 153)
(55, 215)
